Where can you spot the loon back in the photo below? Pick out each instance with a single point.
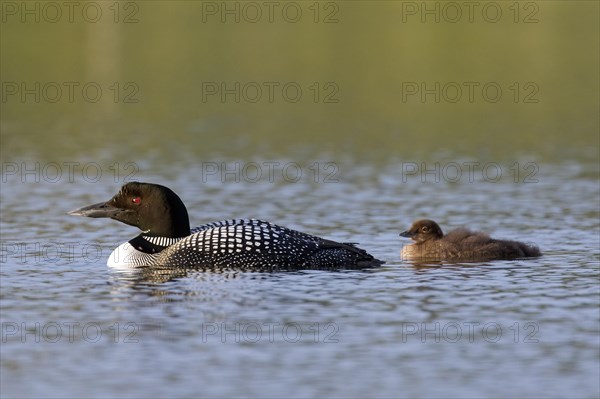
(244, 244)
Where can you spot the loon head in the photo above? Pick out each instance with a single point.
(154, 209)
(423, 230)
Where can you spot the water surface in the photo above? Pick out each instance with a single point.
(72, 327)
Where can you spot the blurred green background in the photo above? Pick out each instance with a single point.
(156, 62)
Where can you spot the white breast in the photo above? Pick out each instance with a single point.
(125, 256)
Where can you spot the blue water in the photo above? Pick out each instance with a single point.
(72, 327)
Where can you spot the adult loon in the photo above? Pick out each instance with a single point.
(247, 244)
(460, 245)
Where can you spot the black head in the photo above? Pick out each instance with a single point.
(423, 230)
(154, 209)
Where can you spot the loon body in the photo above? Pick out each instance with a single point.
(248, 244)
(460, 245)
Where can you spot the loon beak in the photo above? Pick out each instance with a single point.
(100, 210)
(406, 234)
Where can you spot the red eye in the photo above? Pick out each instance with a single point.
(136, 200)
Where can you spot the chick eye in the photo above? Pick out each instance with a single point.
(136, 200)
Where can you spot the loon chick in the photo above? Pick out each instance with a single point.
(247, 244)
(460, 245)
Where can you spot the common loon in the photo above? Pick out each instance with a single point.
(460, 245)
(248, 244)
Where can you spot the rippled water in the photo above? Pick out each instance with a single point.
(72, 327)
